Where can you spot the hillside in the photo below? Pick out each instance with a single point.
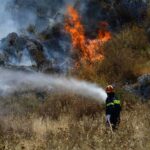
(57, 57)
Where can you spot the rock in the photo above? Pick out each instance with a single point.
(142, 87)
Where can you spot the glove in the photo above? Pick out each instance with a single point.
(108, 118)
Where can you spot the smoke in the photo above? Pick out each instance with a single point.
(16, 15)
(19, 14)
(19, 81)
(24, 59)
(42, 14)
(7, 25)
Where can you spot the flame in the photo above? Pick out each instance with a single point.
(91, 50)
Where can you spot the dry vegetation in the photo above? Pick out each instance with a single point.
(127, 57)
(70, 122)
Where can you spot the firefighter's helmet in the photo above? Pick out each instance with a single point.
(109, 89)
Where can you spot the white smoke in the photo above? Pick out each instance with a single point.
(19, 81)
(17, 16)
(7, 25)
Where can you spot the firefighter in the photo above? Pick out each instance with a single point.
(113, 108)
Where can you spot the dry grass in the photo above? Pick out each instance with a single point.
(125, 55)
(80, 125)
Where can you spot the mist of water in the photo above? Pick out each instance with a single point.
(19, 81)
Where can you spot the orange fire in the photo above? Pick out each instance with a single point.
(90, 49)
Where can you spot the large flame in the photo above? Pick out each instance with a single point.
(91, 50)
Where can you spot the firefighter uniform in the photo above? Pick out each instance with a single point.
(113, 108)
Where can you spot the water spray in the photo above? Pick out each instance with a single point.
(19, 81)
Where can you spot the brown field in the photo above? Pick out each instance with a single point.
(70, 122)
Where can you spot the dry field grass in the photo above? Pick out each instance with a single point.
(65, 122)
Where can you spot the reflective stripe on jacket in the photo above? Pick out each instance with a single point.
(116, 102)
(110, 104)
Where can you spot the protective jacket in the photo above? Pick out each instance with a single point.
(112, 103)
